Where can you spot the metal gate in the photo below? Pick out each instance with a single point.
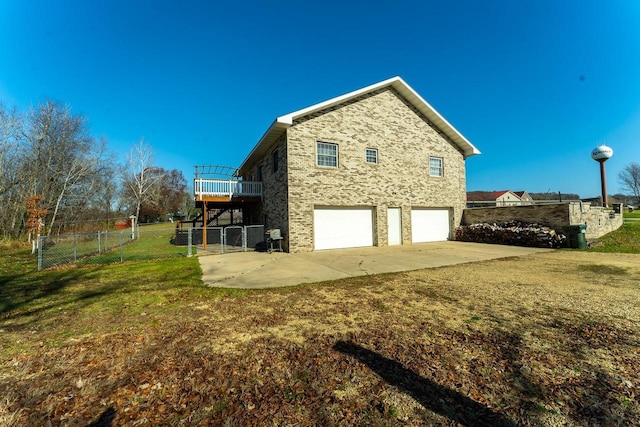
(194, 239)
(234, 239)
(223, 239)
(254, 238)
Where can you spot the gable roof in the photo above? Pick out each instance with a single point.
(485, 196)
(279, 126)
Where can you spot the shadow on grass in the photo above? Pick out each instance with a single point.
(105, 420)
(41, 296)
(19, 290)
(435, 397)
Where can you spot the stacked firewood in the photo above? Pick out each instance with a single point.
(512, 233)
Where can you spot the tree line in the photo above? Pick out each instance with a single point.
(55, 177)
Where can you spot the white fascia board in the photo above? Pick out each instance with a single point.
(283, 122)
(405, 90)
(289, 118)
(264, 144)
(432, 114)
(286, 120)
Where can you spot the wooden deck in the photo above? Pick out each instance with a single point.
(225, 191)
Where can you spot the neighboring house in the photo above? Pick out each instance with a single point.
(525, 198)
(496, 198)
(374, 167)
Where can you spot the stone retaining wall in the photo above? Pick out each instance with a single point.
(599, 221)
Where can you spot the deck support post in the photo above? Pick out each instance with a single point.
(205, 213)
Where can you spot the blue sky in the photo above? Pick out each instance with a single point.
(535, 85)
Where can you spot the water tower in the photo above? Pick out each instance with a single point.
(601, 154)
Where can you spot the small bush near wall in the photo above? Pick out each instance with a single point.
(512, 233)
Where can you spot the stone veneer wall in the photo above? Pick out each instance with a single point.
(404, 138)
(558, 215)
(599, 221)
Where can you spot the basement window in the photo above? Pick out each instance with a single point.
(436, 166)
(327, 154)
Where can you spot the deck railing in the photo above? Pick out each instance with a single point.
(226, 188)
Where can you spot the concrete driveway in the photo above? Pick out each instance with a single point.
(254, 270)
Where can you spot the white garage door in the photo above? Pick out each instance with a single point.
(335, 228)
(429, 225)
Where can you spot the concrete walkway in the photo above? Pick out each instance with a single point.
(254, 270)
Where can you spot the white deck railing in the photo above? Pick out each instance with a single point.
(226, 188)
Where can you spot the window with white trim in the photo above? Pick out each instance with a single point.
(327, 154)
(371, 155)
(436, 166)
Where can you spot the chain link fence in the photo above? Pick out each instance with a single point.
(106, 247)
(145, 243)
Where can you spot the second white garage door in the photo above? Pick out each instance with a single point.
(429, 225)
(335, 228)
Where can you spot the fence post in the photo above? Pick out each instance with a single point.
(75, 247)
(99, 246)
(106, 240)
(39, 253)
(244, 238)
(189, 240)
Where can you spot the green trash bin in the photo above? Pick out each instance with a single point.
(582, 236)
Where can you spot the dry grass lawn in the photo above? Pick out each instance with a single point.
(549, 339)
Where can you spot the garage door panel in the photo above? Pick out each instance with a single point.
(335, 228)
(429, 225)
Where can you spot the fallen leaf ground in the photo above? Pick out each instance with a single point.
(548, 339)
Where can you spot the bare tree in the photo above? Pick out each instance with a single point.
(106, 186)
(9, 134)
(166, 197)
(83, 183)
(629, 177)
(141, 176)
(174, 191)
(62, 159)
(48, 153)
(11, 154)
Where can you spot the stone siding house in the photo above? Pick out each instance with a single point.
(375, 167)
